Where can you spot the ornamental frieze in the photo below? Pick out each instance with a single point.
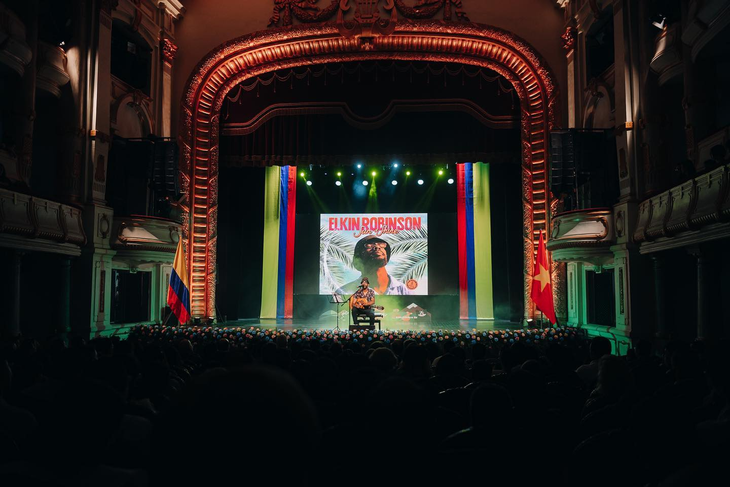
(364, 12)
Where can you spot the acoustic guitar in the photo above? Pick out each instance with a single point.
(361, 304)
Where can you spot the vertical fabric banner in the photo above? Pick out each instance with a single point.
(277, 282)
(469, 210)
(270, 271)
(461, 235)
(483, 243)
(287, 227)
(290, 231)
(475, 241)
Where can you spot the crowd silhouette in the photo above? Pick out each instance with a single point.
(190, 406)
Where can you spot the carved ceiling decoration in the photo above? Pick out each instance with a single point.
(570, 36)
(169, 51)
(459, 113)
(254, 55)
(366, 15)
(392, 88)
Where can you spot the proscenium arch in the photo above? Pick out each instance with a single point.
(262, 52)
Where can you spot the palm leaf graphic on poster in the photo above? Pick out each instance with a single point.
(335, 258)
(409, 255)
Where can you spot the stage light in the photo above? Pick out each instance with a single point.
(394, 182)
(338, 183)
(339, 174)
(658, 20)
(420, 182)
(408, 173)
(359, 166)
(301, 174)
(450, 181)
(373, 174)
(395, 165)
(364, 183)
(441, 172)
(309, 183)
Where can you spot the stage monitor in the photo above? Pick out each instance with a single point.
(390, 249)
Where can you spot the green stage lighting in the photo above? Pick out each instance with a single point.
(441, 172)
(301, 174)
(373, 173)
(339, 174)
(408, 173)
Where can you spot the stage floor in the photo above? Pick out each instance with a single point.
(455, 325)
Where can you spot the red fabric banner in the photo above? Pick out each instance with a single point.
(461, 232)
(290, 230)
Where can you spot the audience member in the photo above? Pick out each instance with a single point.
(193, 406)
(588, 373)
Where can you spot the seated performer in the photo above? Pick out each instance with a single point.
(362, 302)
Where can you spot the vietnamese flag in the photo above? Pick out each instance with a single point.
(542, 290)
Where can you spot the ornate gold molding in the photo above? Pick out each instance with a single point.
(262, 52)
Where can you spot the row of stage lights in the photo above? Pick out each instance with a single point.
(365, 182)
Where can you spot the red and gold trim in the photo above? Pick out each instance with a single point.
(253, 55)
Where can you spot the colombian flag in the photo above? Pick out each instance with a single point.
(178, 296)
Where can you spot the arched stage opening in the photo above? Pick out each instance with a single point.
(421, 41)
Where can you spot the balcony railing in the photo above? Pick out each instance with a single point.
(145, 233)
(27, 216)
(591, 227)
(696, 203)
(52, 73)
(667, 60)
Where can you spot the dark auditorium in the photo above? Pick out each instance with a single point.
(519, 279)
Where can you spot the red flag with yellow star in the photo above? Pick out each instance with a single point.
(542, 290)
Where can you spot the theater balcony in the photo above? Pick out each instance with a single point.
(140, 236)
(144, 248)
(583, 235)
(667, 60)
(28, 223)
(52, 73)
(706, 19)
(15, 52)
(690, 213)
(586, 241)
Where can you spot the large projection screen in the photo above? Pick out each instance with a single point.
(390, 249)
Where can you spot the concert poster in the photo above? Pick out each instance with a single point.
(353, 246)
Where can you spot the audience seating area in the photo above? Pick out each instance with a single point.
(248, 406)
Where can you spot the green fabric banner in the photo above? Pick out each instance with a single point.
(482, 242)
(270, 271)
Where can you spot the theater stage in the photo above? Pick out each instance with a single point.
(329, 324)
